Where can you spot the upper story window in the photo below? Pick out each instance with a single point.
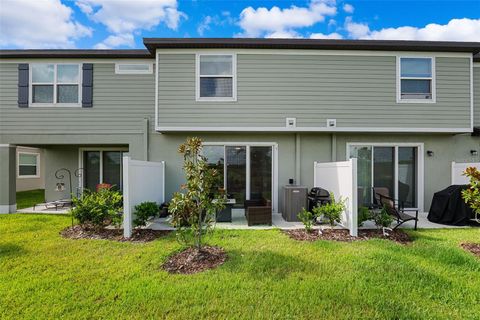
(28, 165)
(55, 84)
(416, 80)
(216, 78)
(133, 68)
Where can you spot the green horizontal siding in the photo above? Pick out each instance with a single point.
(120, 103)
(476, 95)
(358, 91)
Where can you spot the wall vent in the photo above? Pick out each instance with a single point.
(331, 123)
(291, 122)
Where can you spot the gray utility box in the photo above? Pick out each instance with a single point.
(294, 199)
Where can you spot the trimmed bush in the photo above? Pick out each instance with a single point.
(145, 211)
(98, 208)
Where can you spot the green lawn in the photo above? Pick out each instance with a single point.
(26, 199)
(267, 276)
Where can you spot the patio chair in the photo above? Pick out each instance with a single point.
(377, 192)
(398, 211)
(258, 212)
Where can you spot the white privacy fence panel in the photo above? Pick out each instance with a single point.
(340, 178)
(142, 181)
(459, 168)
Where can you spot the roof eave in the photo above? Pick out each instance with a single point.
(77, 53)
(310, 44)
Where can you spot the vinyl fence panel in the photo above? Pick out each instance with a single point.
(143, 181)
(340, 178)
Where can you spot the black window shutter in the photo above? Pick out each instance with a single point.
(23, 85)
(87, 85)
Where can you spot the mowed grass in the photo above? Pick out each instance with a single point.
(27, 199)
(267, 276)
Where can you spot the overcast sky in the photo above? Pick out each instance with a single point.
(105, 24)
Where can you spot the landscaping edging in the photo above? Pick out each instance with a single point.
(473, 248)
(138, 235)
(191, 260)
(344, 235)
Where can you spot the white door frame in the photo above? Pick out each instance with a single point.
(420, 165)
(274, 146)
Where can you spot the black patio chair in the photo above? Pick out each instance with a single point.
(398, 211)
(377, 191)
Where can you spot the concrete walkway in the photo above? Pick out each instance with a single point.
(240, 222)
(43, 209)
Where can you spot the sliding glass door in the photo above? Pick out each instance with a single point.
(384, 169)
(392, 167)
(261, 173)
(247, 170)
(407, 175)
(91, 169)
(236, 169)
(102, 166)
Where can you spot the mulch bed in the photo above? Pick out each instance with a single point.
(344, 235)
(472, 247)
(191, 260)
(138, 235)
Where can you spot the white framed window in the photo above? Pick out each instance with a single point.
(216, 77)
(416, 80)
(28, 165)
(55, 84)
(133, 68)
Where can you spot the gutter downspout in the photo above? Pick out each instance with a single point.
(297, 158)
(334, 148)
(145, 139)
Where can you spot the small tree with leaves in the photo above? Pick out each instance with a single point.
(332, 211)
(307, 219)
(194, 208)
(471, 196)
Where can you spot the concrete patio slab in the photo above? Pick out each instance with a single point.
(240, 222)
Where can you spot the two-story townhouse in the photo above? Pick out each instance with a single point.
(266, 109)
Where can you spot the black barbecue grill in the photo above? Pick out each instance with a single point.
(318, 197)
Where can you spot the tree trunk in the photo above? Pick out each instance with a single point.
(199, 234)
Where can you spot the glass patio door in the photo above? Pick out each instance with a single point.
(102, 167)
(384, 169)
(247, 170)
(260, 173)
(392, 167)
(407, 175)
(236, 169)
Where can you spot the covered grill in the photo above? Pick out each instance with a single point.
(317, 197)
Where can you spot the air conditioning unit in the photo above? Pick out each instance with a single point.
(291, 122)
(331, 123)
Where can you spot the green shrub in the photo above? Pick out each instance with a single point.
(331, 211)
(145, 211)
(382, 218)
(364, 214)
(98, 208)
(307, 219)
(471, 196)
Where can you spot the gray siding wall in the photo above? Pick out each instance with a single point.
(476, 94)
(358, 91)
(120, 103)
